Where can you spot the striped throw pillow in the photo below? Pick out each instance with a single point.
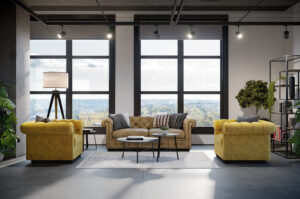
(176, 120)
(161, 120)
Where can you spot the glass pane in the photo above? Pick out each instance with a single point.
(202, 74)
(39, 104)
(159, 74)
(38, 66)
(158, 47)
(90, 74)
(47, 47)
(158, 104)
(203, 108)
(91, 109)
(202, 47)
(90, 47)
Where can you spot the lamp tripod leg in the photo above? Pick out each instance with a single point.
(60, 106)
(50, 105)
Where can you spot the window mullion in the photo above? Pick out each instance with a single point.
(180, 77)
(70, 72)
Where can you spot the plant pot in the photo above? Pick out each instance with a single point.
(1, 156)
(281, 82)
(165, 132)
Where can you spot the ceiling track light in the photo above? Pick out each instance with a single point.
(109, 35)
(191, 34)
(156, 33)
(286, 33)
(238, 34)
(62, 33)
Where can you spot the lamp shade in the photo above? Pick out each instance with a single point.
(55, 80)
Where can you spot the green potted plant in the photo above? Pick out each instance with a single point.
(271, 98)
(295, 139)
(281, 80)
(255, 93)
(8, 121)
(164, 129)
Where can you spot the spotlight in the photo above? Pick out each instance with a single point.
(156, 33)
(109, 35)
(286, 33)
(191, 34)
(238, 34)
(62, 33)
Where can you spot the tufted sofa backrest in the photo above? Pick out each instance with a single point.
(141, 122)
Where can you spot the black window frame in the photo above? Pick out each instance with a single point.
(69, 64)
(180, 91)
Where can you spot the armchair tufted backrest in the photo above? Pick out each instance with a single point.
(141, 122)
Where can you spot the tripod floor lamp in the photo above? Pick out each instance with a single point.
(55, 80)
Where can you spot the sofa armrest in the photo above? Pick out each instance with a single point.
(188, 123)
(218, 125)
(78, 125)
(245, 128)
(47, 128)
(108, 124)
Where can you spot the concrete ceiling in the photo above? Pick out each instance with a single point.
(158, 5)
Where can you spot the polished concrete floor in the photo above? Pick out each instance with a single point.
(278, 178)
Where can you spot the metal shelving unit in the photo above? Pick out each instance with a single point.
(282, 147)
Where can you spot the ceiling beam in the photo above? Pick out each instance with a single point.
(158, 8)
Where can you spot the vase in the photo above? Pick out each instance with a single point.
(1, 156)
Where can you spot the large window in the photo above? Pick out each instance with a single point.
(185, 76)
(90, 64)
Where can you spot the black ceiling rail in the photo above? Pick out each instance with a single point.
(179, 11)
(173, 12)
(284, 23)
(102, 10)
(22, 5)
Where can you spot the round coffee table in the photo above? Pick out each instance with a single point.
(159, 135)
(137, 142)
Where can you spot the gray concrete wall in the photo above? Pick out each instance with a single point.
(14, 56)
(22, 74)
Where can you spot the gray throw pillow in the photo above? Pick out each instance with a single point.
(176, 120)
(247, 119)
(119, 121)
(42, 119)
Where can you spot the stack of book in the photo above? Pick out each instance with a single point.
(280, 134)
(135, 138)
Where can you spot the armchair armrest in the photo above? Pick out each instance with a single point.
(108, 124)
(47, 128)
(245, 128)
(78, 125)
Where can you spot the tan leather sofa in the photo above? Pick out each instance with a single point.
(142, 126)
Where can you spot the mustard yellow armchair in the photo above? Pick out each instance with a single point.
(57, 140)
(242, 140)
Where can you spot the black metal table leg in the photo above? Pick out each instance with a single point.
(153, 150)
(158, 149)
(123, 150)
(137, 152)
(176, 147)
(86, 141)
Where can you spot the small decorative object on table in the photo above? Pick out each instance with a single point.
(165, 130)
(135, 138)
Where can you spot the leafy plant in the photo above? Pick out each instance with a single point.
(295, 139)
(255, 93)
(8, 122)
(164, 128)
(271, 98)
(280, 78)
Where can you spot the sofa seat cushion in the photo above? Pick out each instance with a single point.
(179, 131)
(130, 132)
